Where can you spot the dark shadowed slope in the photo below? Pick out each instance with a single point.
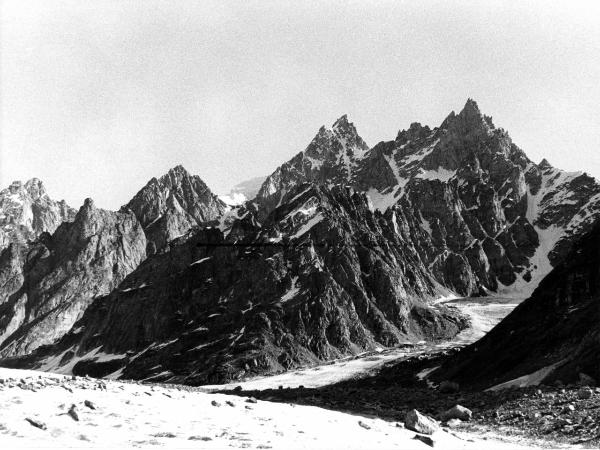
(558, 326)
(323, 277)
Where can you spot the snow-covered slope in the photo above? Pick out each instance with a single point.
(87, 413)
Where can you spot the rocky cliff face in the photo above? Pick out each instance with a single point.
(494, 219)
(556, 332)
(171, 205)
(48, 284)
(324, 276)
(26, 211)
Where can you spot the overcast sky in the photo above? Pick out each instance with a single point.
(99, 96)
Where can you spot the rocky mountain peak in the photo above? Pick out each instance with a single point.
(35, 188)
(341, 136)
(415, 131)
(471, 108)
(346, 129)
(26, 211)
(171, 205)
(342, 124)
(332, 157)
(469, 121)
(86, 210)
(175, 174)
(88, 203)
(545, 164)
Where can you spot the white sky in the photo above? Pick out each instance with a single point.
(99, 96)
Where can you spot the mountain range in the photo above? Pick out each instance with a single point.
(345, 248)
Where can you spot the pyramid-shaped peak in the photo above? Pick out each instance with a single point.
(469, 119)
(544, 164)
(341, 122)
(175, 176)
(88, 203)
(344, 126)
(471, 109)
(178, 169)
(86, 210)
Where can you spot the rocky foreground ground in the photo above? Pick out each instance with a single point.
(545, 416)
(40, 410)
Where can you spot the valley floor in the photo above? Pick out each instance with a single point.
(484, 313)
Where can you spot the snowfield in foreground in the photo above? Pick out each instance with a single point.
(134, 415)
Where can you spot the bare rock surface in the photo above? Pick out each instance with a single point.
(323, 277)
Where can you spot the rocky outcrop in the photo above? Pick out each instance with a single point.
(171, 205)
(554, 335)
(48, 284)
(26, 211)
(495, 220)
(324, 276)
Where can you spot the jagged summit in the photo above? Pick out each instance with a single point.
(341, 128)
(171, 205)
(469, 121)
(487, 206)
(342, 121)
(26, 211)
(177, 170)
(414, 132)
(331, 158)
(545, 164)
(344, 125)
(471, 108)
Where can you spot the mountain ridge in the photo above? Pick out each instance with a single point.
(343, 250)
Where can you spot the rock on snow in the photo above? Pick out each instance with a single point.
(125, 416)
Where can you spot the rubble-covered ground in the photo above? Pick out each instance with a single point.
(545, 416)
(41, 410)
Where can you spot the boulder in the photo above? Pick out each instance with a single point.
(425, 439)
(458, 412)
(36, 423)
(584, 393)
(420, 423)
